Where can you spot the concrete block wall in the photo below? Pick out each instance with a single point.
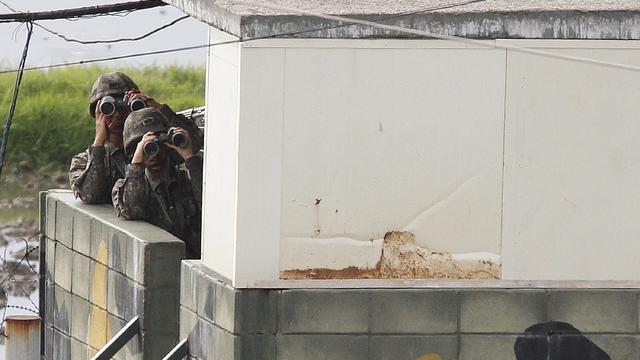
(419, 323)
(99, 272)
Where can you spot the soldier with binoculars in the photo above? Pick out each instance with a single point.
(113, 97)
(154, 188)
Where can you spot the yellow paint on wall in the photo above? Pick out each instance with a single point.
(98, 324)
(430, 356)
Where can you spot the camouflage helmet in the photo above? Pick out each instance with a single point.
(141, 122)
(115, 83)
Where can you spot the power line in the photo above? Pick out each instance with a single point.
(80, 12)
(437, 36)
(65, 38)
(14, 100)
(286, 34)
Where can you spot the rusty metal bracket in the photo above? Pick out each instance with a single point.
(119, 340)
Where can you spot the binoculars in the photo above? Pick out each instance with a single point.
(109, 105)
(175, 138)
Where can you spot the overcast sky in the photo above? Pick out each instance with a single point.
(47, 49)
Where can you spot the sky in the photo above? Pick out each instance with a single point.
(47, 49)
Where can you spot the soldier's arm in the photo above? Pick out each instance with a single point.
(88, 176)
(130, 194)
(194, 165)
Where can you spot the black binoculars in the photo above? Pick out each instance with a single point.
(175, 138)
(109, 105)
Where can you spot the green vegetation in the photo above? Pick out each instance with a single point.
(52, 123)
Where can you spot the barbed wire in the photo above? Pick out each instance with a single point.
(20, 277)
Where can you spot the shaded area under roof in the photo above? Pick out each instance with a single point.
(491, 19)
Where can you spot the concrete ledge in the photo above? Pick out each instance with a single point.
(100, 272)
(463, 322)
(491, 20)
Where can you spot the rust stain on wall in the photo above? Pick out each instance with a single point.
(402, 258)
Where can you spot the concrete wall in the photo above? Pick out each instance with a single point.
(484, 154)
(100, 272)
(222, 322)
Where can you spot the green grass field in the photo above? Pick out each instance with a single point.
(52, 121)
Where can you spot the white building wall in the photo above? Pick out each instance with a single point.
(219, 213)
(322, 146)
(572, 164)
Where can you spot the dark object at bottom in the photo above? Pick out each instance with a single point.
(556, 340)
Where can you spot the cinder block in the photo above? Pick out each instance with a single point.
(98, 326)
(129, 268)
(501, 311)
(99, 281)
(326, 347)
(133, 349)
(50, 255)
(115, 325)
(226, 345)
(256, 347)
(207, 344)
(42, 212)
(50, 303)
(81, 281)
(118, 249)
(80, 319)
(99, 241)
(618, 346)
(256, 311)
(188, 326)
(48, 342)
(188, 289)
(82, 233)
(163, 264)
(595, 311)
(120, 295)
(79, 350)
(206, 296)
(412, 347)
(61, 346)
(487, 347)
(324, 311)
(64, 224)
(51, 214)
(161, 310)
(416, 311)
(157, 343)
(62, 310)
(225, 307)
(63, 266)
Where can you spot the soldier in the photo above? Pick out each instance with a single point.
(94, 172)
(154, 188)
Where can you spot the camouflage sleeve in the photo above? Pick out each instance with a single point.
(194, 165)
(197, 136)
(88, 176)
(130, 194)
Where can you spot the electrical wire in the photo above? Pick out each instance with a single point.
(65, 38)
(486, 44)
(14, 100)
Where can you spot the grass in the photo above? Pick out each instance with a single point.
(52, 122)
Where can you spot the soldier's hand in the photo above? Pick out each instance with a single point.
(186, 151)
(134, 94)
(102, 124)
(138, 155)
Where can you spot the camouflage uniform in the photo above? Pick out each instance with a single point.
(172, 201)
(94, 172)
